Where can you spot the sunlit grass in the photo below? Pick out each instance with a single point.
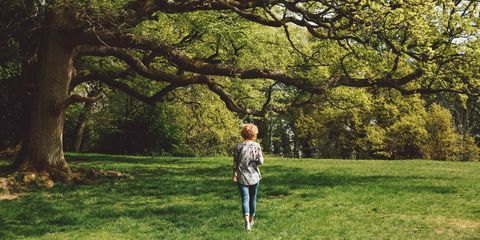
(192, 198)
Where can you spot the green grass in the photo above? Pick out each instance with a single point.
(192, 198)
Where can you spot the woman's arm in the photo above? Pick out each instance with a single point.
(234, 167)
(260, 155)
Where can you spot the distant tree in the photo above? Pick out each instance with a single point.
(381, 124)
(83, 119)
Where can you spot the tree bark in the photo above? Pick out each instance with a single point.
(42, 149)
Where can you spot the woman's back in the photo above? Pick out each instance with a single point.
(247, 157)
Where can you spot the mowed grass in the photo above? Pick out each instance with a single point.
(192, 198)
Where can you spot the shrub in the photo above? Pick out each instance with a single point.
(442, 140)
(469, 150)
(404, 137)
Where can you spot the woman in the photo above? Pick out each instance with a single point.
(247, 156)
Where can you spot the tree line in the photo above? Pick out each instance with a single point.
(360, 125)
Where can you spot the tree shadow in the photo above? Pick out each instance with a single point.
(149, 193)
(115, 159)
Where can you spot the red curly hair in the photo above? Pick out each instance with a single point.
(249, 132)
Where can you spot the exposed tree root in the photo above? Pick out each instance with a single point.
(11, 152)
(13, 185)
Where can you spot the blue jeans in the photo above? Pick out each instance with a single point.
(248, 193)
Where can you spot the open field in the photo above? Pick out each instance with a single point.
(192, 198)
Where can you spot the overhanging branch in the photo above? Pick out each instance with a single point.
(75, 98)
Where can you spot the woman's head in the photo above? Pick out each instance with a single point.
(249, 132)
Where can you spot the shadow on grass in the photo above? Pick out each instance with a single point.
(152, 194)
(115, 159)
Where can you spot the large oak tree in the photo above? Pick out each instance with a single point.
(415, 47)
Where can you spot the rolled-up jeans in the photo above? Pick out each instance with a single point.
(248, 193)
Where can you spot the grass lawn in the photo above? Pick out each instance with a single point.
(192, 198)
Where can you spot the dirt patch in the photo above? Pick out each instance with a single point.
(458, 223)
(444, 230)
(454, 226)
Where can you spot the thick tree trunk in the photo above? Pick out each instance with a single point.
(42, 148)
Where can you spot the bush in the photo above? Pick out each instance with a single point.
(404, 137)
(469, 150)
(442, 142)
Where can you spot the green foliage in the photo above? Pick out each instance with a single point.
(469, 150)
(442, 140)
(127, 127)
(11, 94)
(200, 122)
(195, 123)
(206, 126)
(375, 142)
(435, 36)
(381, 125)
(405, 136)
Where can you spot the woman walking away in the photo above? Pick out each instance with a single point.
(247, 156)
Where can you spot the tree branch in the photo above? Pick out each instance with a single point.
(233, 106)
(138, 66)
(157, 97)
(193, 65)
(75, 98)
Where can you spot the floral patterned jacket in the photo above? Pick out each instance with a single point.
(247, 156)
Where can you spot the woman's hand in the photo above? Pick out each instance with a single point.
(234, 178)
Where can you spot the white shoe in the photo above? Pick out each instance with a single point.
(248, 227)
(251, 223)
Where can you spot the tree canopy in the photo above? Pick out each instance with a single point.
(258, 58)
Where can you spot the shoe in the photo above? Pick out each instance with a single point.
(248, 227)
(251, 223)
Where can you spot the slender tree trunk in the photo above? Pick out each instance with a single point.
(270, 134)
(82, 122)
(307, 147)
(81, 126)
(42, 149)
